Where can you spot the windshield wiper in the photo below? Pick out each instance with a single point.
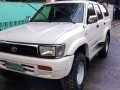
(66, 16)
(38, 11)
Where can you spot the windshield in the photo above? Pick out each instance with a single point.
(64, 12)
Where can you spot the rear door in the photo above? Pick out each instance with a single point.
(100, 23)
(107, 20)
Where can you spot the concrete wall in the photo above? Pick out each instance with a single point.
(14, 11)
(110, 9)
(50, 0)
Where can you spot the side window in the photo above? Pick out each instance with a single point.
(104, 10)
(90, 11)
(98, 11)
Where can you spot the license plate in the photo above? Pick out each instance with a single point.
(13, 66)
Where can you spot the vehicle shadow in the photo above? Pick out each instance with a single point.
(24, 82)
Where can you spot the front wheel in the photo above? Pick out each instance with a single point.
(104, 51)
(75, 80)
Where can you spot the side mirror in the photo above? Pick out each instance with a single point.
(28, 18)
(92, 19)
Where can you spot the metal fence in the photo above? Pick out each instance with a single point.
(6, 25)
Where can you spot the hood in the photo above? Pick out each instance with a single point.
(37, 32)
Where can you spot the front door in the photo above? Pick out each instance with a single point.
(92, 29)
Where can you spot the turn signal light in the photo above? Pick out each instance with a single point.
(46, 68)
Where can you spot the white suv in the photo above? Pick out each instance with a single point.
(58, 43)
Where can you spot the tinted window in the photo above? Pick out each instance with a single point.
(91, 10)
(104, 10)
(98, 11)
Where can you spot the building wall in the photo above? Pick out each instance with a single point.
(16, 13)
(110, 9)
(50, 0)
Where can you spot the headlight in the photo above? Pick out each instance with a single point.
(47, 51)
(52, 50)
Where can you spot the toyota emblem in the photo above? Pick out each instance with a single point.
(14, 49)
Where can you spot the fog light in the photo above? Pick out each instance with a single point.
(46, 68)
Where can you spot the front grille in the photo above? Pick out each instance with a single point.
(18, 48)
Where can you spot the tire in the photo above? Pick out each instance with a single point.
(75, 80)
(103, 52)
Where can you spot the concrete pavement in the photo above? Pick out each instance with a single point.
(115, 32)
(103, 74)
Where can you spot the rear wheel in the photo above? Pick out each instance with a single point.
(104, 51)
(75, 80)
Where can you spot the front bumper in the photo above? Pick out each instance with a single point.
(60, 67)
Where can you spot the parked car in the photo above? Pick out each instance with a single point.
(58, 43)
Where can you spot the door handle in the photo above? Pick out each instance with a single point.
(97, 26)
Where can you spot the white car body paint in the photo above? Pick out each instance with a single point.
(72, 35)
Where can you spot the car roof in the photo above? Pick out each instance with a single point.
(73, 1)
